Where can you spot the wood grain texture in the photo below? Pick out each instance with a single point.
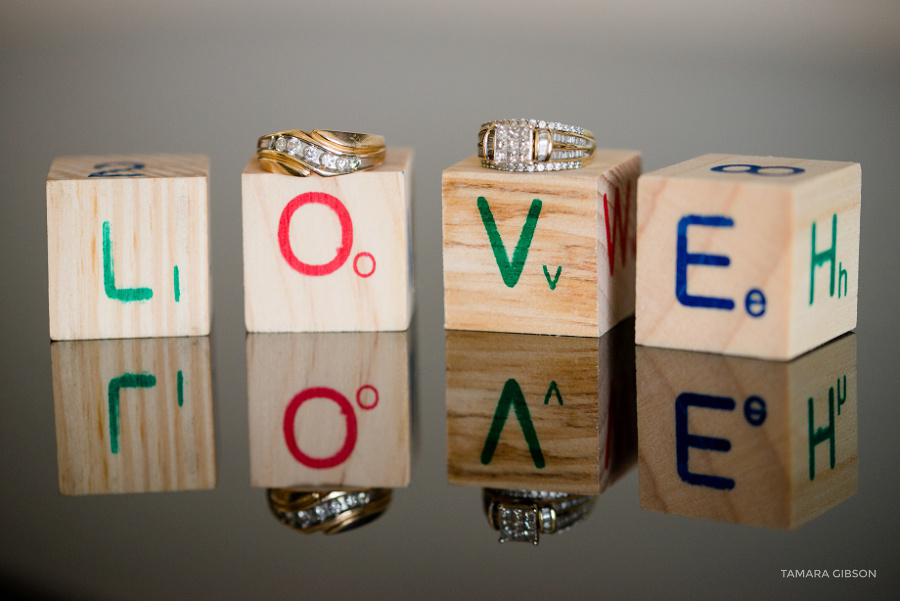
(114, 243)
(368, 287)
(154, 444)
(768, 464)
(594, 289)
(353, 367)
(579, 394)
(769, 245)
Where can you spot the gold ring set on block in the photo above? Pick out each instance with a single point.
(522, 145)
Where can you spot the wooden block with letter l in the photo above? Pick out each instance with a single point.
(748, 255)
(538, 412)
(747, 441)
(329, 409)
(540, 253)
(329, 253)
(133, 415)
(128, 246)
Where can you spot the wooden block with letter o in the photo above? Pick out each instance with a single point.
(747, 441)
(329, 253)
(128, 246)
(329, 409)
(540, 253)
(748, 255)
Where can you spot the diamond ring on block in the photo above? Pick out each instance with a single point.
(531, 145)
(324, 151)
(522, 515)
(331, 512)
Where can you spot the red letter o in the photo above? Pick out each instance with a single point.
(346, 410)
(284, 238)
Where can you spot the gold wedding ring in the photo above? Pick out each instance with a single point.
(324, 151)
(331, 512)
(531, 145)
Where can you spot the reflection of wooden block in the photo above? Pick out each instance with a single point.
(743, 255)
(128, 246)
(747, 441)
(329, 410)
(541, 253)
(329, 253)
(133, 415)
(523, 410)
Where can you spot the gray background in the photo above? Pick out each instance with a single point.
(810, 79)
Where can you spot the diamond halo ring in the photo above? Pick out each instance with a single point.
(523, 515)
(530, 145)
(324, 152)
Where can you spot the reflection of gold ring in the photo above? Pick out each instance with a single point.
(532, 145)
(326, 152)
(522, 515)
(332, 512)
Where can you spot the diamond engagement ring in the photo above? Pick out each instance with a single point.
(331, 512)
(531, 145)
(522, 515)
(325, 152)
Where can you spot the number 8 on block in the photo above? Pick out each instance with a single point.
(747, 255)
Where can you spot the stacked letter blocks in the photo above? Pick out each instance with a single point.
(540, 253)
(128, 246)
(748, 255)
(328, 253)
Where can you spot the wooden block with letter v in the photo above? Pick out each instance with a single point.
(133, 415)
(537, 412)
(748, 255)
(329, 409)
(128, 246)
(748, 441)
(329, 253)
(540, 253)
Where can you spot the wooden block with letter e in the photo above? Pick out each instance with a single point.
(538, 412)
(748, 441)
(329, 253)
(748, 255)
(128, 246)
(540, 253)
(133, 415)
(329, 409)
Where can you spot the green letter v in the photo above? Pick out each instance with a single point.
(510, 270)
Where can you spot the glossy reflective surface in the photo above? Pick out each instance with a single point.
(794, 79)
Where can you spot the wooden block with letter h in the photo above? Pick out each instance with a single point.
(128, 246)
(329, 253)
(748, 441)
(748, 255)
(540, 253)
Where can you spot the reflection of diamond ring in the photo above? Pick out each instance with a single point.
(531, 145)
(521, 515)
(324, 151)
(332, 512)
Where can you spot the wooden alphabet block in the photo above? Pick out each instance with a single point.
(540, 253)
(329, 253)
(748, 255)
(329, 410)
(747, 441)
(133, 415)
(538, 412)
(128, 246)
